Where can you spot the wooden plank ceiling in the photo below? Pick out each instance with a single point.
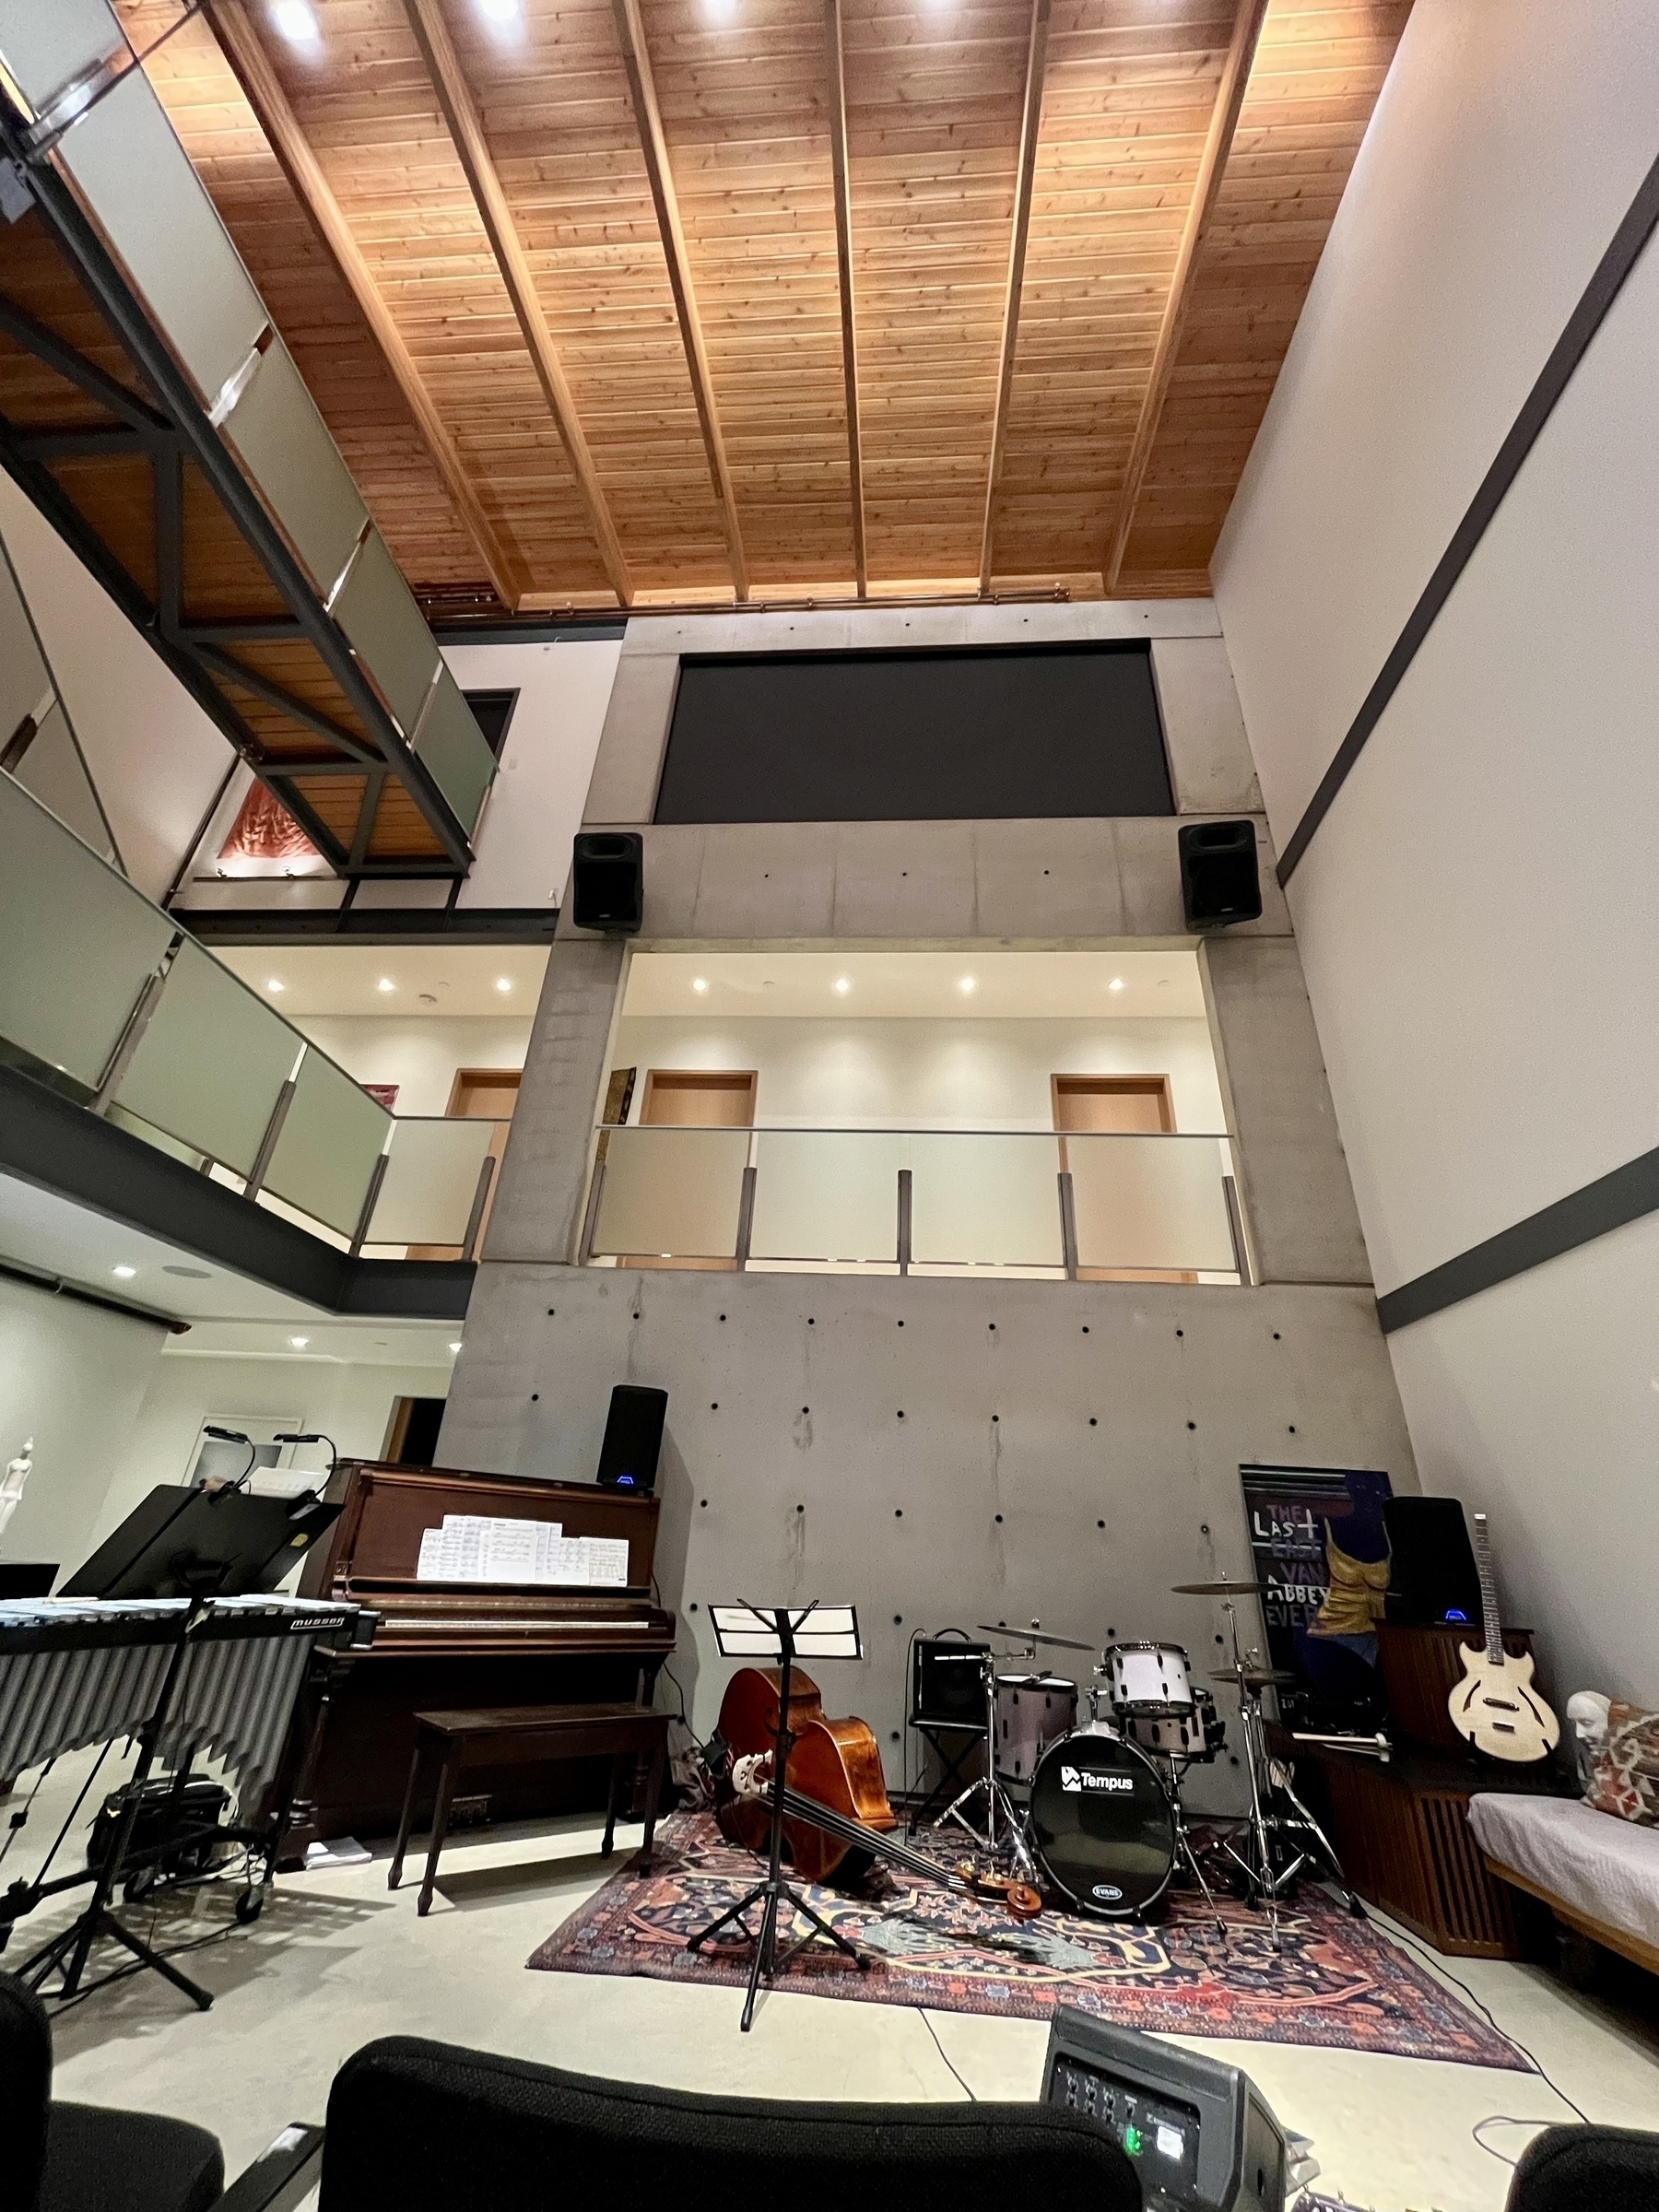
(667, 167)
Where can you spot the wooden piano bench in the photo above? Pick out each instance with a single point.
(519, 1735)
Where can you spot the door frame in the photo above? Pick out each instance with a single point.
(711, 1079)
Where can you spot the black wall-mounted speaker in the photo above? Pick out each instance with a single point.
(633, 1438)
(1219, 882)
(1433, 1575)
(607, 881)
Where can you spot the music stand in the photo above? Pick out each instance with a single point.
(783, 1633)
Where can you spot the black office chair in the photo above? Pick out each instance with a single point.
(414, 2126)
(89, 2158)
(1587, 2169)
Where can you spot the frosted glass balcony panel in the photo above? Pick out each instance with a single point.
(54, 771)
(1150, 1202)
(988, 1200)
(827, 1194)
(211, 1063)
(672, 1192)
(432, 1179)
(79, 942)
(330, 1141)
(284, 444)
(454, 751)
(387, 631)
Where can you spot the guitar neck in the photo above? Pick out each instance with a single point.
(1489, 1590)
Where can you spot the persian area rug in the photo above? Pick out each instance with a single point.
(1337, 1983)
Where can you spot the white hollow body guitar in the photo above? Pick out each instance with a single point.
(1495, 1705)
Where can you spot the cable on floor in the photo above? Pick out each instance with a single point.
(944, 2054)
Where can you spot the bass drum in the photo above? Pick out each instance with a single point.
(1102, 1826)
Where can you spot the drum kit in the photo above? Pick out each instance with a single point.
(1104, 1821)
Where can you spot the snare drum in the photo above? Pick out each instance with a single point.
(1032, 1711)
(1150, 1679)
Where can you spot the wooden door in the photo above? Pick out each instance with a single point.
(479, 1094)
(684, 1097)
(1117, 1106)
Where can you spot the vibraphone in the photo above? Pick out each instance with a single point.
(186, 1677)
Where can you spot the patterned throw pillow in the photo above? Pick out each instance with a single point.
(1626, 1780)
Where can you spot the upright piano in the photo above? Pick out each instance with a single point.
(467, 1644)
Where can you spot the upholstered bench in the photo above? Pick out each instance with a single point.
(1598, 1874)
(519, 1735)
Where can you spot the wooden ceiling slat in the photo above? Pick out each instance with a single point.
(1036, 61)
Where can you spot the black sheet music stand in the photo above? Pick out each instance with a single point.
(783, 1633)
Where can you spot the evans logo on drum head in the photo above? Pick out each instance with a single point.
(1108, 1892)
(1075, 1780)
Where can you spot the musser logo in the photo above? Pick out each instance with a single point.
(1077, 1780)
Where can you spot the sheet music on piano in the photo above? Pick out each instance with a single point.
(484, 1547)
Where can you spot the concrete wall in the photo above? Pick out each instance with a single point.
(1104, 1423)
(939, 1453)
(1478, 913)
(71, 1376)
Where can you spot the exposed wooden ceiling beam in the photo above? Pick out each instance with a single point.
(843, 258)
(459, 113)
(1212, 168)
(641, 84)
(240, 45)
(1031, 121)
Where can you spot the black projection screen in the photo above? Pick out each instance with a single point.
(915, 736)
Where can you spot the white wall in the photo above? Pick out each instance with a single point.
(152, 752)
(523, 842)
(1477, 915)
(934, 1074)
(419, 1056)
(71, 1376)
(351, 1403)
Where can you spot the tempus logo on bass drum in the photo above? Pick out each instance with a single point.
(1075, 1781)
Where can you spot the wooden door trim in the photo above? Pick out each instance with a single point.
(1119, 1087)
(700, 1079)
(506, 1078)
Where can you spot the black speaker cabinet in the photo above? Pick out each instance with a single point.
(948, 1686)
(607, 881)
(633, 1437)
(1219, 882)
(1433, 1575)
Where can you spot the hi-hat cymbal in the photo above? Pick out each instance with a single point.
(1254, 1677)
(1068, 1643)
(1221, 1589)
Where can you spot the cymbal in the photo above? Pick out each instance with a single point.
(1254, 1677)
(1068, 1643)
(1221, 1589)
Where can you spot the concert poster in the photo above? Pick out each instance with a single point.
(1318, 1543)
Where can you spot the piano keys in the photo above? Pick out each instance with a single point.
(444, 1644)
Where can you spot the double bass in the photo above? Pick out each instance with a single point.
(837, 1817)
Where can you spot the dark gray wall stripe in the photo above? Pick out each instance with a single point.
(1609, 1203)
(1586, 318)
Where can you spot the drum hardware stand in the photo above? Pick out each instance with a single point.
(1004, 1833)
(1264, 1825)
(971, 1732)
(1184, 1854)
(775, 1890)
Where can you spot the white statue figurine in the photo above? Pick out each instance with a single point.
(18, 1472)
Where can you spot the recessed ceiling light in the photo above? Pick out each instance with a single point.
(498, 11)
(295, 20)
(1116, 984)
(455, 1347)
(126, 1273)
(720, 11)
(299, 1342)
(385, 983)
(503, 982)
(274, 985)
(843, 984)
(968, 984)
(700, 983)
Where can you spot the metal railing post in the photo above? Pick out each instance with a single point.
(1068, 1225)
(132, 1033)
(904, 1221)
(475, 1221)
(590, 1220)
(1235, 1224)
(746, 1217)
(267, 1143)
(361, 1235)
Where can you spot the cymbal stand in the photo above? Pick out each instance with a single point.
(1184, 1854)
(1004, 1833)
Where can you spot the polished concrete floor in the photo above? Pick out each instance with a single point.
(337, 1959)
